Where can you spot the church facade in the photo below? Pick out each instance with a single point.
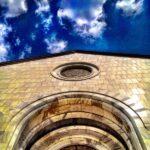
(75, 101)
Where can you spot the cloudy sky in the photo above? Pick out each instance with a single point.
(32, 28)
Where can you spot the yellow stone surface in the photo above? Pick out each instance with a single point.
(126, 79)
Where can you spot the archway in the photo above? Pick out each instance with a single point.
(78, 147)
(78, 118)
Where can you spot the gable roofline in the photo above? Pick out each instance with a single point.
(72, 52)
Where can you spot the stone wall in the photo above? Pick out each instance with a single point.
(125, 79)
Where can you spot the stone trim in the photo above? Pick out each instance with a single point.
(25, 113)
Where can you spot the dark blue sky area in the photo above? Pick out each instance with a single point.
(32, 28)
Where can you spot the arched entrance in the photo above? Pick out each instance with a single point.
(78, 147)
(75, 119)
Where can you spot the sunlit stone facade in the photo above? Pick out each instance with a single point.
(45, 106)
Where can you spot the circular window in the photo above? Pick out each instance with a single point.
(75, 71)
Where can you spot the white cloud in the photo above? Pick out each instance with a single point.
(43, 6)
(65, 13)
(81, 21)
(90, 26)
(43, 11)
(47, 22)
(15, 7)
(97, 12)
(4, 46)
(3, 52)
(33, 36)
(4, 29)
(130, 7)
(57, 46)
(22, 55)
(93, 28)
(54, 45)
(17, 43)
(18, 7)
(62, 13)
(27, 51)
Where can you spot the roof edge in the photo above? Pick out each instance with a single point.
(72, 52)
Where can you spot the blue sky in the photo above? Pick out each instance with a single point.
(32, 28)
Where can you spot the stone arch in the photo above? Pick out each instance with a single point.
(100, 120)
